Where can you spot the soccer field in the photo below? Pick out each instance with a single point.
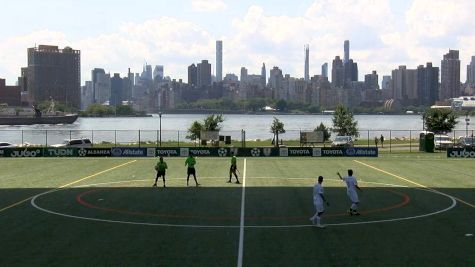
(416, 210)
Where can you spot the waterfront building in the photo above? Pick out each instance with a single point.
(192, 75)
(450, 76)
(54, 73)
(203, 73)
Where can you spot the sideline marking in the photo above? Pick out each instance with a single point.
(454, 202)
(241, 226)
(66, 185)
(412, 182)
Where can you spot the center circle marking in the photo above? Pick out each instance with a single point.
(454, 202)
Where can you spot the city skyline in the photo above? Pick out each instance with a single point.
(383, 34)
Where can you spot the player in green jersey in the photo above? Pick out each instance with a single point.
(233, 168)
(191, 162)
(160, 167)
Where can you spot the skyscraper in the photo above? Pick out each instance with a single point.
(338, 72)
(346, 46)
(263, 75)
(325, 70)
(471, 72)
(203, 73)
(56, 73)
(219, 60)
(158, 73)
(427, 84)
(94, 74)
(351, 71)
(192, 75)
(243, 77)
(307, 74)
(371, 81)
(450, 76)
(117, 90)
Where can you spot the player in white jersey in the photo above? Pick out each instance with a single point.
(318, 200)
(351, 186)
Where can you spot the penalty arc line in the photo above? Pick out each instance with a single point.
(241, 225)
(415, 183)
(66, 185)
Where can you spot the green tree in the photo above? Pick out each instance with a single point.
(344, 122)
(213, 122)
(440, 120)
(281, 105)
(276, 128)
(210, 123)
(194, 130)
(325, 130)
(124, 110)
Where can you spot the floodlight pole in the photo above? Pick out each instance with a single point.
(160, 120)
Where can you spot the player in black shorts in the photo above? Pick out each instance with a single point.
(233, 168)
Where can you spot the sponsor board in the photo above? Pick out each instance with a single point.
(461, 153)
(350, 152)
(168, 152)
(130, 152)
(206, 152)
(300, 152)
(24, 152)
(94, 152)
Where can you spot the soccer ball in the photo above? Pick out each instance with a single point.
(255, 152)
(222, 152)
(82, 152)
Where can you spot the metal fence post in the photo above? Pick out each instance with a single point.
(46, 137)
(22, 141)
(178, 138)
(92, 136)
(390, 142)
(368, 138)
(410, 141)
(156, 144)
(69, 135)
(115, 138)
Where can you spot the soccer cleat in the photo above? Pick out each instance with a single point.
(154, 185)
(164, 186)
(237, 182)
(320, 225)
(198, 185)
(228, 181)
(350, 212)
(356, 213)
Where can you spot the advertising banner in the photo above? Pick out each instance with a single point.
(461, 153)
(94, 152)
(133, 152)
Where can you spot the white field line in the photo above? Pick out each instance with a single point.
(241, 226)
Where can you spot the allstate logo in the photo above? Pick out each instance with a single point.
(116, 152)
(255, 152)
(222, 152)
(350, 152)
(82, 152)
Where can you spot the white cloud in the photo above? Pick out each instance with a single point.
(208, 5)
(380, 40)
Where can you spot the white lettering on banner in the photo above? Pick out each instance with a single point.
(26, 153)
(462, 154)
(299, 152)
(167, 152)
(200, 152)
(98, 152)
(332, 152)
(2, 152)
(132, 152)
(60, 152)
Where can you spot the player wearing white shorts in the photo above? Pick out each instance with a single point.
(318, 200)
(351, 186)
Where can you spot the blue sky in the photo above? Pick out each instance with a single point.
(119, 34)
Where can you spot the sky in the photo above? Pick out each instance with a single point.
(121, 34)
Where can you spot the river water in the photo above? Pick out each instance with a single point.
(174, 127)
